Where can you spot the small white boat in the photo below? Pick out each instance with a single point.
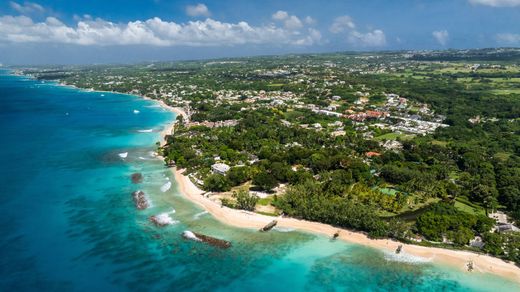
(136, 111)
(123, 155)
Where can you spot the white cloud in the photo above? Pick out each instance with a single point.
(153, 31)
(27, 7)
(508, 38)
(341, 24)
(313, 37)
(496, 3)
(309, 20)
(290, 22)
(280, 15)
(198, 10)
(441, 36)
(293, 23)
(373, 38)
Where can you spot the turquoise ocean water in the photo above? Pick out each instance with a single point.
(68, 222)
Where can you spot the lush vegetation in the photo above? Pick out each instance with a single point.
(439, 186)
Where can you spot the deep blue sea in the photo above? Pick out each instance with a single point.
(68, 222)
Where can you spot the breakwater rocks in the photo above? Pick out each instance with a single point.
(140, 200)
(269, 226)
(137, 178)
(221, 243)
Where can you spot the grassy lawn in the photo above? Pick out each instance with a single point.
(265, 201)
(473, 209)
(393, 136)
(410, 214)
(388, 191)
(439, 143)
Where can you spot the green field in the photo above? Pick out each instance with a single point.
(466, 206)
(393, 136)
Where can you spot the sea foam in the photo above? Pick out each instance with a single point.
(166, 186)
(197, 216)
(404, 257)
(165, 219)
(283, 229)
(190, 235)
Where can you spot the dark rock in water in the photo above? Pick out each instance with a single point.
(399, 249)
(221, 243)
(137, 178)
(336, 235)
(161, 220)
(140, 200)
(269, 226)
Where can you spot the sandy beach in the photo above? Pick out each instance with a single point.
(245, 219)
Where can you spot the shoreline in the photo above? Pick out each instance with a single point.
(244, 219)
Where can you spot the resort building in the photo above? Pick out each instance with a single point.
(220, 168)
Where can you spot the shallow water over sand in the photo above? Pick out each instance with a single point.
(68, 221)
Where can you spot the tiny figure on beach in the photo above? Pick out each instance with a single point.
(399, 249)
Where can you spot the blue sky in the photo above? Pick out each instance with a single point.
(94, 31)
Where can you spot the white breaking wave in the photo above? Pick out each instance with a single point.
(145, 131)
(197, 216)
(136, 111)
(283, 229)
(405, 258)
(123, 155)
(166, 187)
(190, 235)
(165, 219)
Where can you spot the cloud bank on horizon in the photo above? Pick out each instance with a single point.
(208, 25)
(496, 3)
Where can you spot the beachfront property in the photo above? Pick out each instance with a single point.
(220, 168)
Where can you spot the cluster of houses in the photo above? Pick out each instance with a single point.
(369, 114)
(217, 124)
(415, 125)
